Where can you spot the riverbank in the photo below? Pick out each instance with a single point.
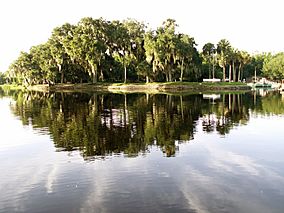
(173, 87)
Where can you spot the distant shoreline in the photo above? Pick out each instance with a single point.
(174, 87)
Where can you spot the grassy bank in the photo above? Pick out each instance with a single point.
(172, 87)
(12, 87)
(169, 87)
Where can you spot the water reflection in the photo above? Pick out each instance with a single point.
(242, 172)
(105, 124)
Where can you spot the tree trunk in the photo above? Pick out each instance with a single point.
(230, 72)
(125, 74)
(239, 74)
(102, 75)
(147, 79)
(62, 78)
(213, 70)
(170, 74)
(242, 73)
(94, 72)
(209, 73)
(224, 72)
(181, 70)
(255, 74)
(153, 69)
(234, 72)
(62, 73)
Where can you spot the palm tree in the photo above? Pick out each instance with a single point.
(232, 58)
(208, 52)
(244, 58)
(223, 49)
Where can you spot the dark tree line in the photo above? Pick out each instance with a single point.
(97, 50)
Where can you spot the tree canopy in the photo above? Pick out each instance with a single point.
(273, 66)
(119, 51)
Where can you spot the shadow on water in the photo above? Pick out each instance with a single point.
(100, 125)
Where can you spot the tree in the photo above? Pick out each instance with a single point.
(57, 51)
(273, 67)
(244, 58)
(46, 65)
(185, 50)
(232, 57)
(144, 69)
(166, 47)
(136, 32)
(2, 78)
(99, 50)
(208, 52)
(151, 53)
(24, 70)
(223, 49)
(92, 47)
(195, 65)
(121, 46)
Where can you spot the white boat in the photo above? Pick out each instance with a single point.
(211, 96)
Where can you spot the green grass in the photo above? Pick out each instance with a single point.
(12, 87)
(206, 83)
(146, 87)
(181, 83)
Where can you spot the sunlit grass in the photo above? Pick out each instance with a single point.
(183, 84)
(130, 87)
(12, 87)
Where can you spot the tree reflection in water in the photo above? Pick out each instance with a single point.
(100, 125)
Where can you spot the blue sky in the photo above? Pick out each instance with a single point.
(255, 26)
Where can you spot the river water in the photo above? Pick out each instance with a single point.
(86, 152)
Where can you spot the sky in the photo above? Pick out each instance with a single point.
(252, 25)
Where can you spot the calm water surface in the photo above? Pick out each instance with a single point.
(75, 152)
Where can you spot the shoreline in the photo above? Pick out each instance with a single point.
(154, 88)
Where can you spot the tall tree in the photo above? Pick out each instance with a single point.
(93, 39)
(244, 58)
(136, 32)
(165, 45)
(121, 46)
(151, 53)
(57, 51)
(42, 57)
(184, 53)
(208, 52)
(22, 69)
(223, 49)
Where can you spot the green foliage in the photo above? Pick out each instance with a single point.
(96, 49)
(223, 50)
(273, 66)
(113, 51)
(2, 78)
(209, 55)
